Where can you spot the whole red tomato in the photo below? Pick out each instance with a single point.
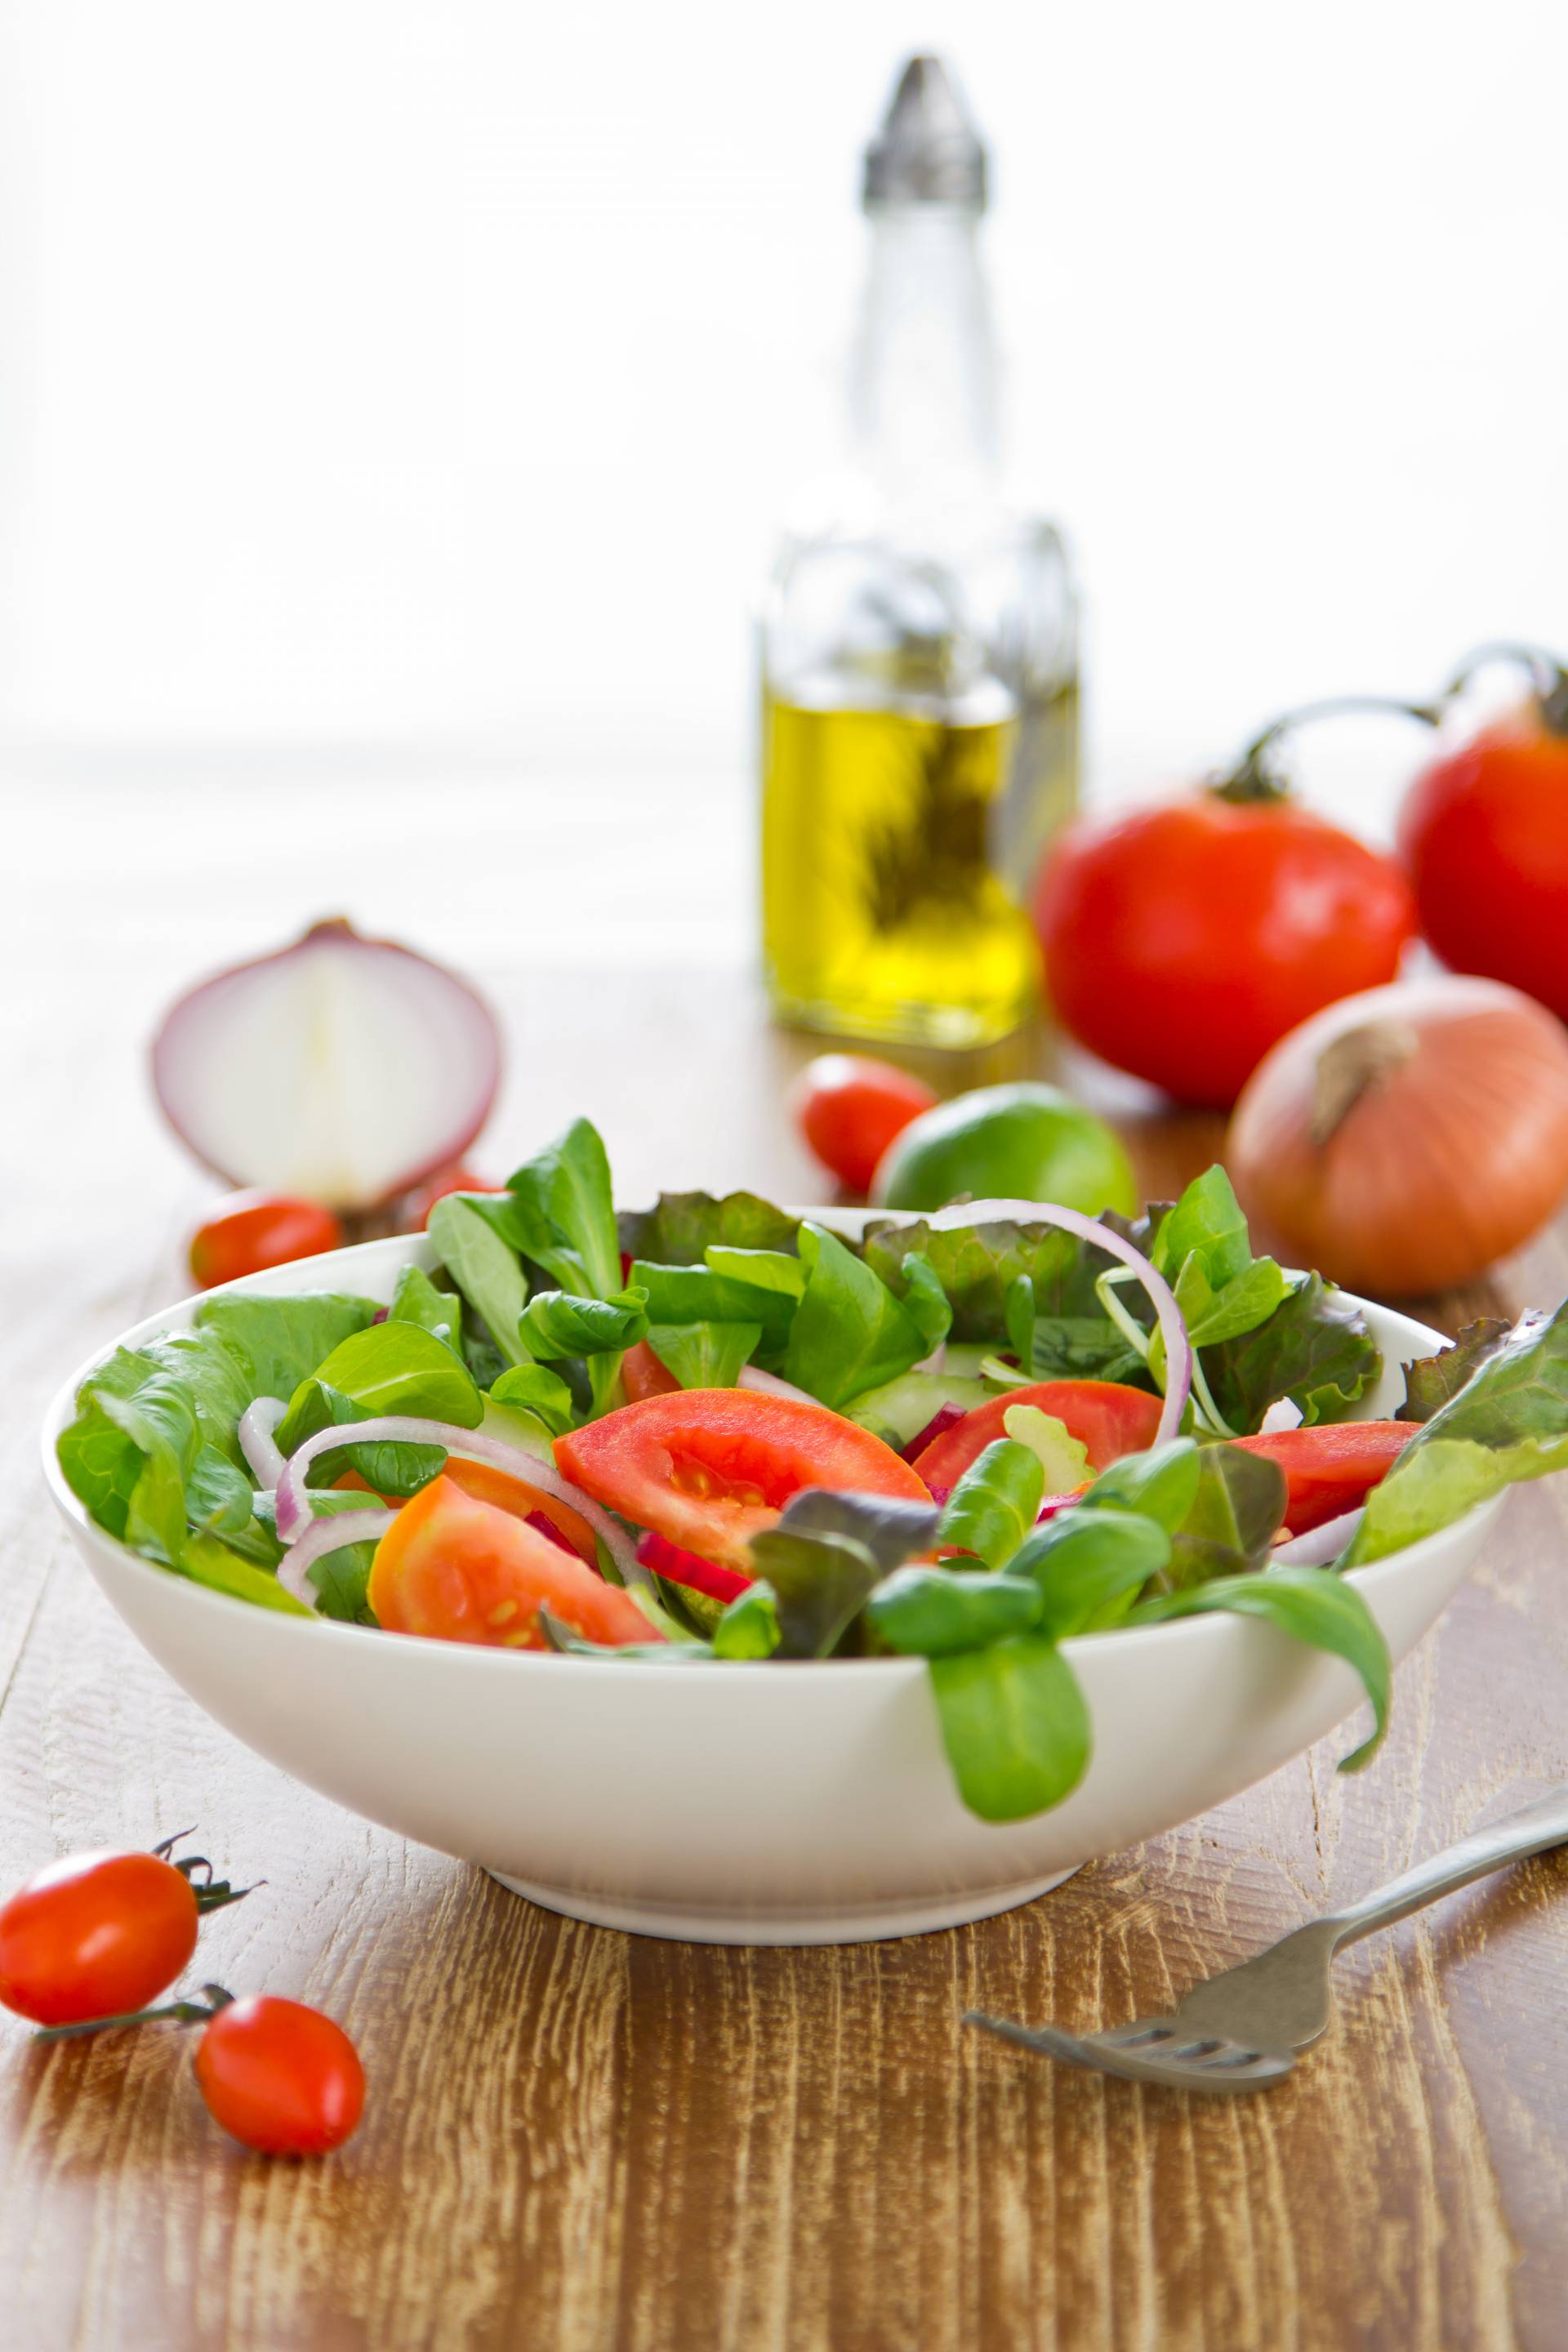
(1182, 940)
(253, 1230)
(281, 2076)
(849, 1107)
(1484, 832)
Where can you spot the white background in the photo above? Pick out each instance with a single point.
(396, 403)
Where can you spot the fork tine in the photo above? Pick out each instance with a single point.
(1197, 2065)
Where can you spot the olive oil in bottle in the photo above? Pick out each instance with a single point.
(920, 704)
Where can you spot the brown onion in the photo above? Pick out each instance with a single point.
(1402, 1139)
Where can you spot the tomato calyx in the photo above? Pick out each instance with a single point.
(176, 2012)
(1256, 780)
(210, 1894)
(1548, 677)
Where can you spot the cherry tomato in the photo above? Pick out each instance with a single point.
(1484, 832)
(279, 2076)
(458, 1569)
(417, 1208)
(1182, 940)
(253, 1230)
(710, 1468)
(642, 1374)
(1107, 1418)
(1329, 1469)
(849, 1108)
(95, 1936)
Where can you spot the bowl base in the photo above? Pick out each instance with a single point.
(869, 1926)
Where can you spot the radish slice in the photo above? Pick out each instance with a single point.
(678, 1565)
(330, 1533)
(1174, 1331)
(343, 1069)
(257, 1424)
(406, 1429)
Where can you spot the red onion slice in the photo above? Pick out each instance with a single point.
(769, 1384)
(257, 1424)
(1172, 1331)
(674, 1562)
(329, 1533)
(402, 1429)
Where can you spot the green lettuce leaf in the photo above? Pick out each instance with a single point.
(682, 1226)
(1510, 1421)
(1315, 1349)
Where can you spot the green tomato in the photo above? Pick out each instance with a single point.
(1020, 1142)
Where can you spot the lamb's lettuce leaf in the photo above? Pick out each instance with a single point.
(1015, 1723)
(471, 1235)
(417, 1300)
(390, 1368)
(995, 1502)
(705, 1355)
(563, 1213)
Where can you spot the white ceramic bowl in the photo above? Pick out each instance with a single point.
(810, 1803)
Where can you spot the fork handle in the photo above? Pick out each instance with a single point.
(1531, 1830)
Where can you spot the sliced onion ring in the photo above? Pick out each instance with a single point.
(257, 1424)
(329, 1533)
(769, 1384)
(402, 1429)
(1320, 1546)
(1172, 1331)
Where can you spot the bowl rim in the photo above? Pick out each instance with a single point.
(284, 1280)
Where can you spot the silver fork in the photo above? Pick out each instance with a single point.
(1240, 2031)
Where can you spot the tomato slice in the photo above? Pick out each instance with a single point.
(1108, 1418)
(488, 1485)
(1329, 1469)
(710, 1468)
(461, 1569)
(642, 1375)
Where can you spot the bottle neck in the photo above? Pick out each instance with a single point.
(923, 372)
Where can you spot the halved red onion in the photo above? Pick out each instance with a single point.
(1172, 1331)
(769, 1384)
(406, 1429)
(1319, 1546)
(257, 1424)
(277, 1073)
(329, 1533)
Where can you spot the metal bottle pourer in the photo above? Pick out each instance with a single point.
(928, 150)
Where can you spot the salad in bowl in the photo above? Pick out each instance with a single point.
(716, 1433)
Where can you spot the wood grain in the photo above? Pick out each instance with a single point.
(581, 2139)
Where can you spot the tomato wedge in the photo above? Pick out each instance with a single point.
(642, 1375)
(487, 1484)
(710, 1468)
(1103, 1415)
(1329, 1469)
(461, 1571)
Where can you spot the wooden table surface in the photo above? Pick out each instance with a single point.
(582, 2139)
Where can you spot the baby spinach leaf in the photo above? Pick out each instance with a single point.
(750, 1625)
(1014, 1726)
(1508, 1421)
(530, 1388)
(1312, 1604)
(931, 1613)
(849, 1332)
(705, 1355)
(701, 1294)
(563, 1215)
(995, 1502)
(469, 1232)
(417, 1300)
(1431, 1381)
(1088, 1567)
